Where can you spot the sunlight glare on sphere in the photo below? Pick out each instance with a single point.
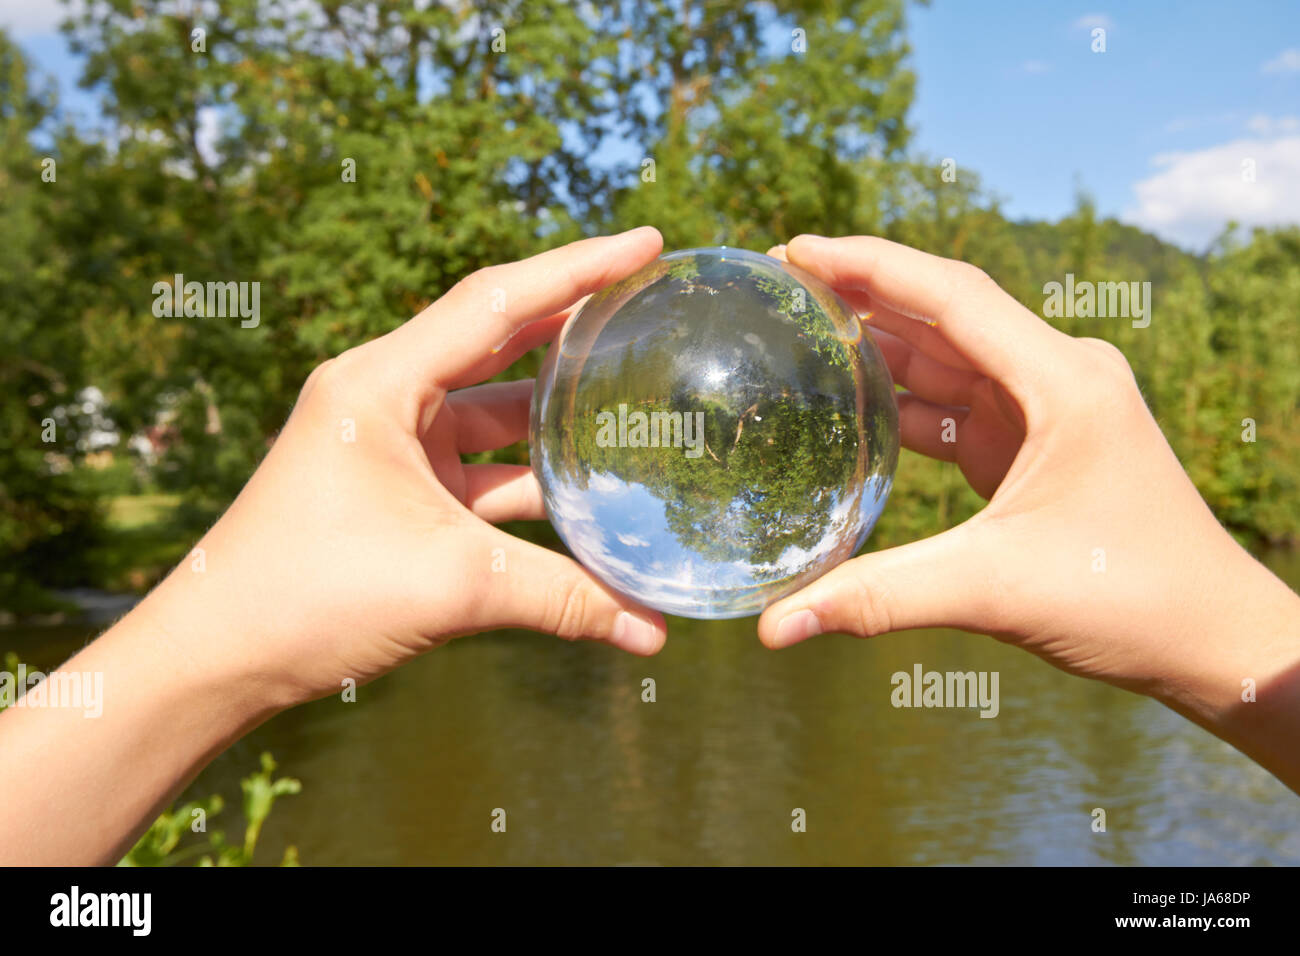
(714, 432)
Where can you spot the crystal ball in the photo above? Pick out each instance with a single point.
(713, 432)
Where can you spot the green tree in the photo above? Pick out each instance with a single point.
(758, 120)
(48, 511)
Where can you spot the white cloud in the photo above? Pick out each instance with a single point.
(1195, 194)
(1090, 20)
(1034, 66)
(28, 18)
(605, 484)
(1288, 61)
(570, 502)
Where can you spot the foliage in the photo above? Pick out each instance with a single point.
(161, 845)
(48, 514)
(355, 159)
(758, 121)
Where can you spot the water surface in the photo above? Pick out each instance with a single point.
(558, 736)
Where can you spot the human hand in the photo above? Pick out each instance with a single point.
(362, 540)
(1095, 550)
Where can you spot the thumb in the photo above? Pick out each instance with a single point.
(937, 582)
(539, 589)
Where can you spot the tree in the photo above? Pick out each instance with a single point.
(48, 514)
(758, 120)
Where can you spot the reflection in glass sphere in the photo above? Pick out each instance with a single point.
(714, 432)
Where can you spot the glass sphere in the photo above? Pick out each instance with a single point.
(714, 432)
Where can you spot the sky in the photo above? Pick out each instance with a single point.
(1156, 128)
(1189, 119)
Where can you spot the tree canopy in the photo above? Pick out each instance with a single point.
(356, 158)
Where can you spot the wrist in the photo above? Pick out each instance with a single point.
(1240, 675)
(210, 652)
(163, 713)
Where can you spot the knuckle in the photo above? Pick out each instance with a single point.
(969, 274)
(336, 380)
(574, 277)
(1103, 379)
(959, 280)
(1109, 368)
(870, 603)
(1109, 352)
(480, 282)
(566, 612)
(314, 378)
(332, 374)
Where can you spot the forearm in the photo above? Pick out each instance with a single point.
(76, 788)
(1241, 679)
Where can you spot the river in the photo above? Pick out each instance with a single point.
(558, 736)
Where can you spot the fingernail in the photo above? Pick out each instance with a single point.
(635, 634)
(797, 627)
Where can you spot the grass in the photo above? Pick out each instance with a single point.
(143, 539)
(133, 512)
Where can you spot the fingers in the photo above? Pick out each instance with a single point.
(938, 582)
(498, 493)
(988, 328)
(927, 428)
(923, 375)
(485, 312)
(926, 338)
(491, 416)
(525, 340)
(538, 589)
(876, 316)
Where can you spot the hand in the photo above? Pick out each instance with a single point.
(1095, 550)
(363, 540)
(360, 542)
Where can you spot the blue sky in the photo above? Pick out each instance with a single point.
(1158, 128)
